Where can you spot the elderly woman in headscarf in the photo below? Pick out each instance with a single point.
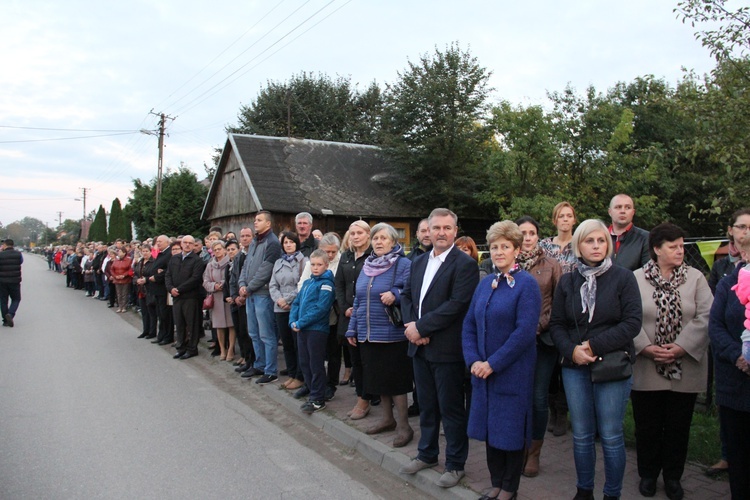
(374, 328)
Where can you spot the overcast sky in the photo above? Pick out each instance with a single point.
(100, 67)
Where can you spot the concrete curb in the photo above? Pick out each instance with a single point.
(373, 450)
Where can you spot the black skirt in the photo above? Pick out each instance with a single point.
(387, 368)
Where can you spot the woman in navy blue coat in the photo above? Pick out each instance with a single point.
(725, 327)
(499, 343)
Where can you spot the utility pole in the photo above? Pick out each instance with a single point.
(162, 126)
(84, 203)
(59, 219)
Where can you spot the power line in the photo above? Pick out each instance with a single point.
(64, 129)
(68, 138)
(235, 58)
(220, 54)
(253, 59)
(269, 56)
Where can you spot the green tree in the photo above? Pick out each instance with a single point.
(180, 207)
(726, 38)
(434, 131)
(118, 223)
(98, 229)
(520, 162)
(311, 107)
(141, 207)
(70, 231)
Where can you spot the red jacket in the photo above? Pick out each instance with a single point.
(121, 268)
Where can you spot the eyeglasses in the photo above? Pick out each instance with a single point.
(741, 227)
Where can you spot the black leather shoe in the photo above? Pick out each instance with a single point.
(150, 337)
(178, 355)
(189, 355)
(673, 488)
(301, 392)
(164, 342)
(156, 341)
(143, 335)
(647, 486)
(243, 368)
(251, 372)
(584, 494)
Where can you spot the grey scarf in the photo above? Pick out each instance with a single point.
(588, 289)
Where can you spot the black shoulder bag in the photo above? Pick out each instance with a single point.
(393, 311)
(610, 367)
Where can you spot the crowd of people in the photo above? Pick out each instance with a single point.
(499, 351)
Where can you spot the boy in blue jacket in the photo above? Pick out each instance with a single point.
(309, 319)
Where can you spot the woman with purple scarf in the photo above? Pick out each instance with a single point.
(376, 329)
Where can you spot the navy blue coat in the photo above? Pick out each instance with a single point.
(500, 328)
(725, 325)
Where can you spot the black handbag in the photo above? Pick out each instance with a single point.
(393, 311)
(611, 367)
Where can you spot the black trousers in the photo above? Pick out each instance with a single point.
(148, 316)
(289, 343)
(166, 320)
(239, 318)
(662, 430)
(188, 322)
(505, 468)
(737, 425)
(333, 355)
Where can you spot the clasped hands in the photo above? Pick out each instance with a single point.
(743, 365)
(583, 355)
(664, 354)
(413, 335)
(481, 369)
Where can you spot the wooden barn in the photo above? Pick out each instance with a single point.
(337, 183)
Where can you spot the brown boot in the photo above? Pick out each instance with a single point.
(561, 424)
(531, 469)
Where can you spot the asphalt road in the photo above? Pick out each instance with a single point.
(88, 411)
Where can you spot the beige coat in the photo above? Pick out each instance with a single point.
(696, 301)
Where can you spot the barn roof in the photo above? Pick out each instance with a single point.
(286, 175)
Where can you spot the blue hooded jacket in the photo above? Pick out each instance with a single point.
(312, 307)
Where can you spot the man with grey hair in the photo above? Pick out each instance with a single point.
(165, 333)
(433, 304)
(303, 224)
(629, 243)
(184, 280)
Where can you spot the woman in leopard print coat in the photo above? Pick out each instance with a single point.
(672, 359)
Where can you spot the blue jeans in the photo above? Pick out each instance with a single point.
(261, 325)
(440, 389)
(546, 359)
(597, 407)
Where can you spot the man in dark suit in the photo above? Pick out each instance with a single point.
(159, 288)
(184, 280)
(434, 303)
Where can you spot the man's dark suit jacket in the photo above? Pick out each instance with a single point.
(158, 287)
(444, 305)
(186, 275)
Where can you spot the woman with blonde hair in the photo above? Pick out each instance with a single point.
(350, 266)
(596, 314)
